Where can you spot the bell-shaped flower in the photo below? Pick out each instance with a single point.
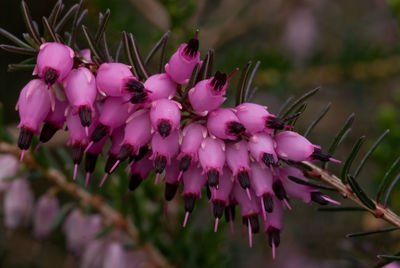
(8, 168)
(224, 124)
(54, 62)
(45, 212)
(273, 225)
(183, 61)
(55, 121)
(262, 148)
(212, 159)
(165, 116)
(160, 86)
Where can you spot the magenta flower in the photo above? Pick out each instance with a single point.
(55, 121)
(54, 62)
(193, 182)
(262, 148)
(165, 116)
(80, 89)
(46, 210)
(33, 106)
(116, 80)
(224, 124)
(273, 226)
(212, 159)
(293, 146)
(192, 137)
(256, 118)
(160, 86)
(140, 170)
(117, 137)
(163, 150)
(183, 61)
(91, 157)
(8, 168)
(171, 179)
(18, 204)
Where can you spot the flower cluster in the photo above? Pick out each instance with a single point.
(238, 154)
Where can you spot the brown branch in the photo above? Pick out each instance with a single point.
(329, 178)
(86, 198)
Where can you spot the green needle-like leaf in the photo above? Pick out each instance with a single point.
(307, 183)
(341, 209)
(368, 154)
(29, 23)
(49, 29)
(20, 67)
(350, 159)
(250, 81)
(71, 12)
(378, 231)
(387, 180)
(14, 39)
(19, 50)
(240, 94)
(102, 26)
(360, 193)
(284, 105)
(390, 189)
(340, 134)
(162, 43)
(138, 56)
(90, 42)
(389, 257)
(317, 119)
(55, 12)
(128, 54)
(294, 105)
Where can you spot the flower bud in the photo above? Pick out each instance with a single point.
(116, 79)
(54, 121)
(54, 62)
(183, 61)
(18, 204)
(46, 210)
(165, 116)
(212, 159)
(160, 86)
(256, 118)
(33, 106)
(207, 95)
(262, 148)
(81, 91)
(224, 124)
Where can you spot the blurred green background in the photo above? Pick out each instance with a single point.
(349, 48)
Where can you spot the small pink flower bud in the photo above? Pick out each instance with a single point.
(116, 79)
(54, 121)
(165, 116)
(192, 137)
(33, 106)
(212, 159)
(45, 211)
(183, 61)
(18, 204)
(193, 182)
(54, 62)
(262, 148)
(8, 168)
(114, 113)
(160, 86)
(237, 158)
(114, 256)
(207, 95)
(224, 124)
(256, 118)
(163, 150)
(81, 91)
(80, 229)
(293, 146)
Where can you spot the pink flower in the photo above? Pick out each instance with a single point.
(160, 86)
(171, 179)
(116, 79)
(80, 89)
(207, 95)
(33, 106)
(45, 211)
(261, 183)
(224, 124)
(140, 170)
(165, 116)
(262, 148)
(192, 137)
(8, 168)
(163, 150)
(18, 204)
(114, 256)
(212, 159)
(54, 121)
(183, 61)
(54, 62)
(273, 226)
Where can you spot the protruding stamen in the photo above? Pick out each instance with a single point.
(273, 249)
(157, 177)
(180, 175)
(250, 233)
(87, 179)
(186, 218)
(248, 193)
(103, 179)
(88, 147)
(331, 200)
(126, 196)
(87, 131)
(114, 166)
(216, 225)
(38, 146)
(263, 209)
(75, 170)
(285, 201)
(21, 158)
